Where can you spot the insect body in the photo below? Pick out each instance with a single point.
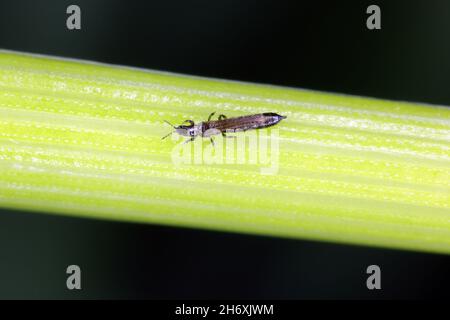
(224, 125)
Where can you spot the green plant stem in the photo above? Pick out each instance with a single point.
(84, 139)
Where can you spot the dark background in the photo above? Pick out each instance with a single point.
(322, 45)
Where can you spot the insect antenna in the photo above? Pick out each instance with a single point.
(169, 124)
(169, 132)
(167, 135)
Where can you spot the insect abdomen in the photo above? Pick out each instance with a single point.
(244, 123)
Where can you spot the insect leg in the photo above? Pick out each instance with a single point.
(225, 136)
(191, 123)
(212, 142)
(210, 116)
(190, 139)
(222, 116)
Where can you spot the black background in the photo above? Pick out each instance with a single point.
(322, 45)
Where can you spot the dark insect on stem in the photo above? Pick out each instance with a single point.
(225, 125)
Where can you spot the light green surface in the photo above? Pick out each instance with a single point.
(85, 139)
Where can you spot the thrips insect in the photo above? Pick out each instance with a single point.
(224, 125)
